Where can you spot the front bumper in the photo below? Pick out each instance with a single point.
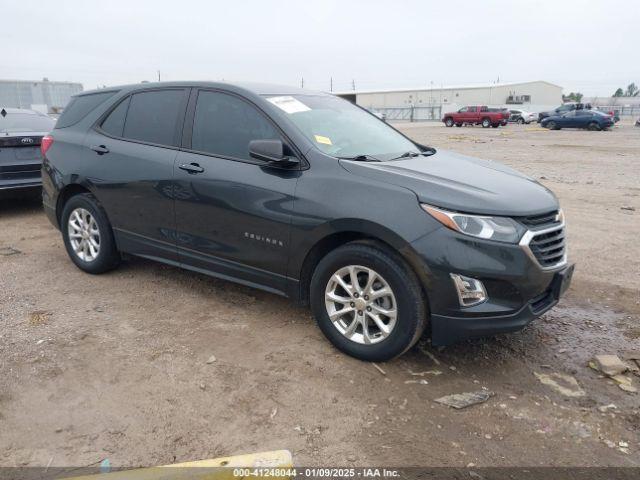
(518, 289)
(447, 330)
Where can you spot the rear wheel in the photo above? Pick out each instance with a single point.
(594, 126)
(486, 123)
(448, 122)
(368, 302)
(87, 235)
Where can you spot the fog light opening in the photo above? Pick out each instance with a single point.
(470, 291)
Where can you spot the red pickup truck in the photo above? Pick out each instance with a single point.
(477, 115)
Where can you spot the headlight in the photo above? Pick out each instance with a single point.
(500, 229)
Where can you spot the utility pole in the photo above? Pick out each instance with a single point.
(353, 84)
(158, 75)
(302, 82)
(331, 84)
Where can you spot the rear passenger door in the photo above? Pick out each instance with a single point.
(232, 212)
(132, 151)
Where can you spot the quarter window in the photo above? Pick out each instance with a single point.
(153, 116)
(224, 125)
(114, 123)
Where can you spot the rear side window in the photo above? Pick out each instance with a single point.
(114, 123)
(224, 125)
(79, 107)
(153, 116)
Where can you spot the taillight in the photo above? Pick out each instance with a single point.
(45, 144)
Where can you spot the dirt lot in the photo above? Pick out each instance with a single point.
(115, 366)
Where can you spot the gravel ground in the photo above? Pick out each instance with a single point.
(115, 366)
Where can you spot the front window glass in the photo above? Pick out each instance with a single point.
(224, 125)
(340, 129)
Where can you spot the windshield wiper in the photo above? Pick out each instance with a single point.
(428, 151)
(361, 158)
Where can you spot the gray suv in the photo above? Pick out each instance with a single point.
(308, 196)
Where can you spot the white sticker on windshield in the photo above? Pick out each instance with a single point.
(289, 104)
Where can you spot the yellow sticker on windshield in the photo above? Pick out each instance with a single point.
(321, 139)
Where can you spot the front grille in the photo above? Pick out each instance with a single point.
(545, 220)
(549, 247)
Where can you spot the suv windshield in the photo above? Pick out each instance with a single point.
(25, 122)
(340, 129)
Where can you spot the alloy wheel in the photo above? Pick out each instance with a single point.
(361, 305)
(84, 234)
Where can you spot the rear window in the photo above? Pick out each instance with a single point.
(79, 107)
(153, 116)
(25, 122)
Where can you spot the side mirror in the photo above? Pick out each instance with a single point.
(271, 151)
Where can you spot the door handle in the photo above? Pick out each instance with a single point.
(100, 149)
(191, 168)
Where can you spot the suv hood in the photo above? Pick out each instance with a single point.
(460, 183)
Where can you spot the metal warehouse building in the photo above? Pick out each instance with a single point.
(44, 96)
(431, 102)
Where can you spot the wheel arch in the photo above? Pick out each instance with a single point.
(366, 232)
(65, 194)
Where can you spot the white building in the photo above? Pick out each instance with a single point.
(41, 95)
(433, 101)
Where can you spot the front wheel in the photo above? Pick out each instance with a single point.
(448, 122)
(87, 235)
(368, 302)
(552, 126)
(521, 121)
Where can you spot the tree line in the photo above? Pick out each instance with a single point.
(631, 91)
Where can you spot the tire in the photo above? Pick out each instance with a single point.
(406, 297)
(594, 127)
(486, 123)
(521, 121)
(448, 122)
(106, 256)
(552, 125)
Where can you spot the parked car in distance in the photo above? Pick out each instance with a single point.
(21, 132)
(308, 196)
(476, 115)
(522, 116)
(564, 108)
(588, 119)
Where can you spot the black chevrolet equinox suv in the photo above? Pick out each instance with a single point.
(305, 195)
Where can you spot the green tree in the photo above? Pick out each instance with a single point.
(619, 93)
(573, 97)
(632, 90)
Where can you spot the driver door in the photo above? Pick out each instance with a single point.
(232, 212)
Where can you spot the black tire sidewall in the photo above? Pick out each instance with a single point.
(108, 256)
(410, 302)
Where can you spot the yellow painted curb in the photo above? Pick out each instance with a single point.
(214, 469)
